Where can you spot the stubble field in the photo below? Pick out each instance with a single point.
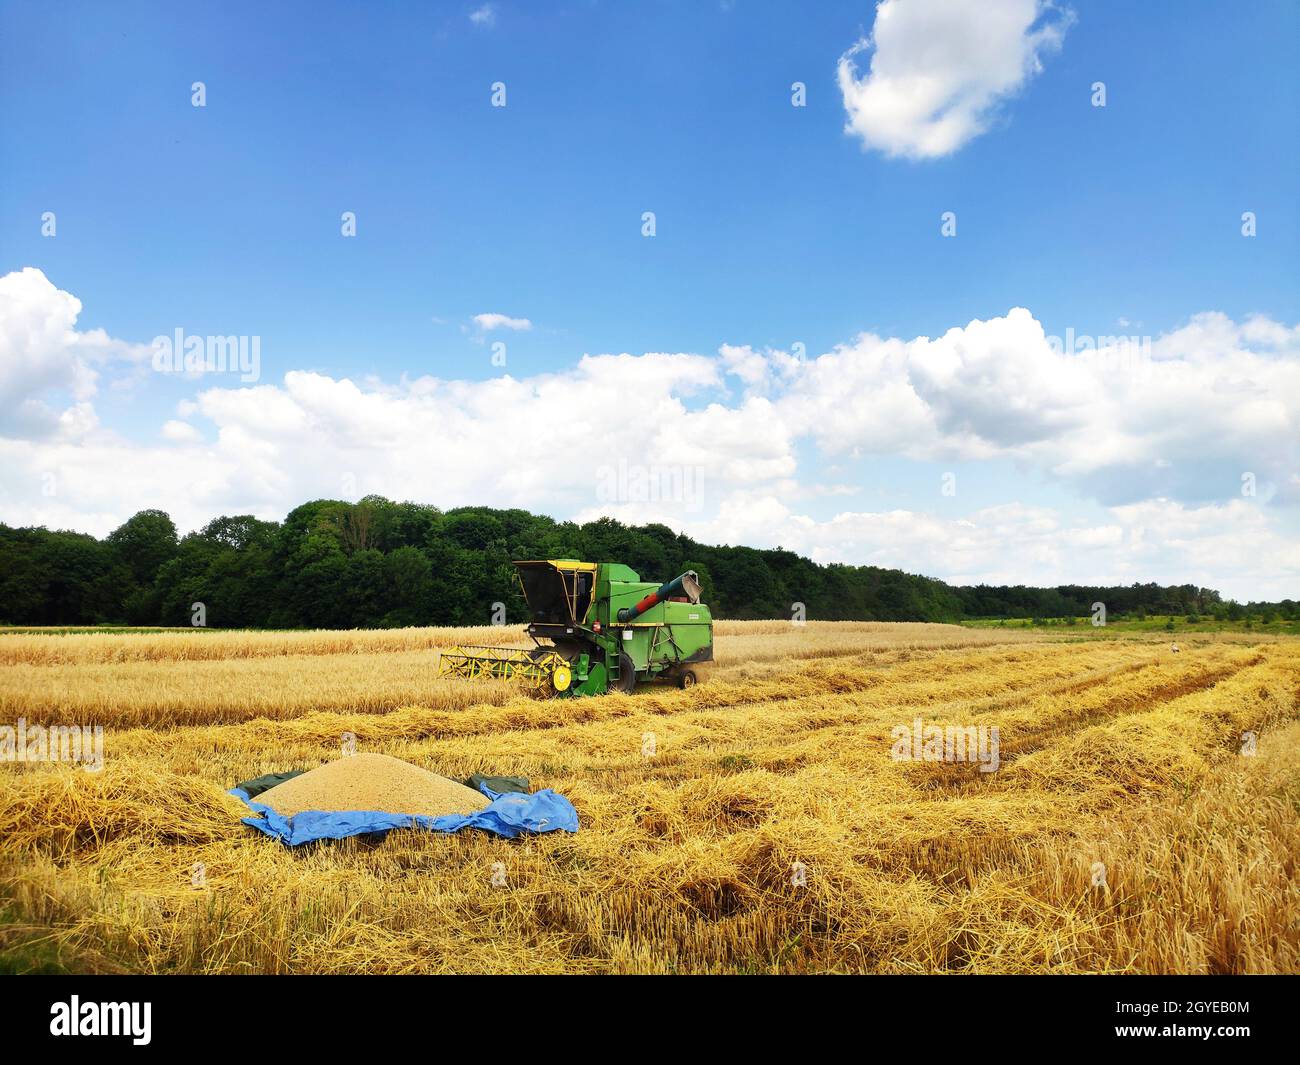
(756, 823)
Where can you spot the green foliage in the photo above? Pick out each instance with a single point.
(335, 564)
(143, 543)
(60, 578)
(408, 577)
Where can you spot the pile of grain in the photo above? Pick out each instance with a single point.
(372, 782)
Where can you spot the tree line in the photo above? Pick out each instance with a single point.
(377, 563)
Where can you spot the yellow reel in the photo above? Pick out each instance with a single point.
(539, 667)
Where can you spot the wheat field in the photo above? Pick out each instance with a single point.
(757, 823)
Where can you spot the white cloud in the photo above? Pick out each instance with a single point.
(180, 432)
(1234, 547)
(941, 69)
(45, 360)
(488, 322)
(760, 372)
(742, 441)
(484, 16)
(1208, 402)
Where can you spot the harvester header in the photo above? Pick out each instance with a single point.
(597, 626)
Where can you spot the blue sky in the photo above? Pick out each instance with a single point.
(775, 226)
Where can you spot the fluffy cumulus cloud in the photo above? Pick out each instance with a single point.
(1118, 418)
(941, 69)
(1156, 440)
(48, 369)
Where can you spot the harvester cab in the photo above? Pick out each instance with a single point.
(597, 626)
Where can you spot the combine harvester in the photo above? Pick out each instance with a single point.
(597, 627)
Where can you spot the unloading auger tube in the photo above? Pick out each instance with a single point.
(688, 584)
(597, 627)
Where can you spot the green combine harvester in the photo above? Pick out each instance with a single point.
(598, 627)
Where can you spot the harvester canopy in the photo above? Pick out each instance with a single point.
(558, 592)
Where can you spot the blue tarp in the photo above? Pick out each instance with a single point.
(508, 815)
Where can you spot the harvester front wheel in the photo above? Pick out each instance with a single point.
(687, 679)
(626, 674)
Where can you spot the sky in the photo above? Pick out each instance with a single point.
(1004, 292)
